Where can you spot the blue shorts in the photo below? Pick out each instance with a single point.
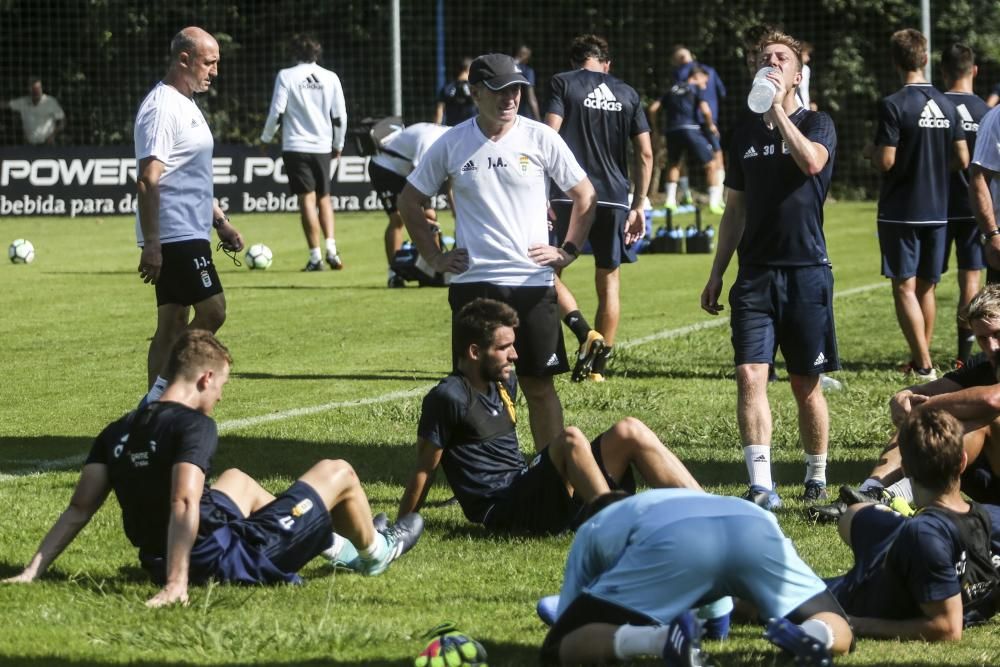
(607, 235)
(787, 308)
(912, 250)
(712, 139)
(688, 142)
(700, 559)
(968, 247)
(537, 501)
(873, 530)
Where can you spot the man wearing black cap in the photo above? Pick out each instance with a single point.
(499, 165)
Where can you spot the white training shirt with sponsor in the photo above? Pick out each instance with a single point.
(171, 128)
(987, 153)
(405, 150)
(500, 191)
(38, 120)
(306, 100)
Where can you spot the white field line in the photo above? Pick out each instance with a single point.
(41, 465)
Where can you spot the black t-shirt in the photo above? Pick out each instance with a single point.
(981, 374)
(477, 432)
(921, 122)
(601, 115)
(784, 205)
(458, 102)
(141, 453)
(970, 109)
(681, 104)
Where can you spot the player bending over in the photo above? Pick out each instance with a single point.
(157, 460)
(467, 425)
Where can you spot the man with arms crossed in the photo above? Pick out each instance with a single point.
(308, 103)
(176, 210)
(779, 173)
(467, 425)
(918, 141)
(157, 460)
(499, 165)
(598, 116)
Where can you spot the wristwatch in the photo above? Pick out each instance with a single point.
(571, 248)
(985, 238)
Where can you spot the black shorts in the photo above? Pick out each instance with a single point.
(539, 342)
(968, 248)
(688, 141)
(981, 483)
(912, 250)
(607, 235)
(537, 501)
(788, 308)
(585, 610)
(387, 184)
(188, 274)
(308, 172)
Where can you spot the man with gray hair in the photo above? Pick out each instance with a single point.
(177, 210)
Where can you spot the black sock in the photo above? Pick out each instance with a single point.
(578, 325)
(965, 340)
(601, 362)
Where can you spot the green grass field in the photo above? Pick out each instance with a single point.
(357, 357)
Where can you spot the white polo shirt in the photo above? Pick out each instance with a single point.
(306, 99)
(171, 128)
(38, 120)
(501, 194)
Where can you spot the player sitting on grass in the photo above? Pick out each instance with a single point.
(467, 426)
(157, 460)
(638, 566)
(970, 394)
(917, 577)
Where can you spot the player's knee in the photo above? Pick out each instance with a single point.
(631, 430)
(337, 469)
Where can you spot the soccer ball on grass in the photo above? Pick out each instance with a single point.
(21, 252)
(258, 256)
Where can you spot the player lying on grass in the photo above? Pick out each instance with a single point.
(157, 460)
(467, 425)
(638, 566)
(970, 394)
(925, 576)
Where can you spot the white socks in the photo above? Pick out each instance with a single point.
(634, 640)
(871, 484)
(672, 193)
(902, 489)
(758, 460)
(314, 255)
(331, 247)
(157, 389)
(375, 551)
(714, 195)
(816, 468)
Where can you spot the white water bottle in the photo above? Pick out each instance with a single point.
(762, 92)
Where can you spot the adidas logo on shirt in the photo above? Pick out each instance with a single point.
(603, 99)
(312, 81)
(932, 116)
(968, 122)
(469, 166)
(821, 359)
(750, 153)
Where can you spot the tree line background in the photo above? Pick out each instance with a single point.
(100, 57)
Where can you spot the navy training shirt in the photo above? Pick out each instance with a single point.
(458, 102)
(970, 108)
(477, 433)
(681, 103)
(524, 109)
(784, 205)
(714, 91)
(921, 122)
(600, 116)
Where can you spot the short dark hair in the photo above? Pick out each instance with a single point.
(698, 69)
(194, 351)
(930, 444)
(478, 321)
(589, 46)
(600, 502)
(306, 48)
(957, 61)
(909, 49)
(463, 65)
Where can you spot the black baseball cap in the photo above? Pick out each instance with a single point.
(496, 71)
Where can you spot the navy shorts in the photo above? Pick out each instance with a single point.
(688, 142)
(539, 342)
(980, 483)
(308, 172)
(790, 308)
(388, 184)
(968, 247)
(585, 610)
(537, 502)
(712, 139)
(912, 250)
(290, 531)
(607, 235)
(188, 274)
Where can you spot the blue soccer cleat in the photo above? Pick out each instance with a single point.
(763, 497)
(791, 638)
(683, 645)
(548, 609)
